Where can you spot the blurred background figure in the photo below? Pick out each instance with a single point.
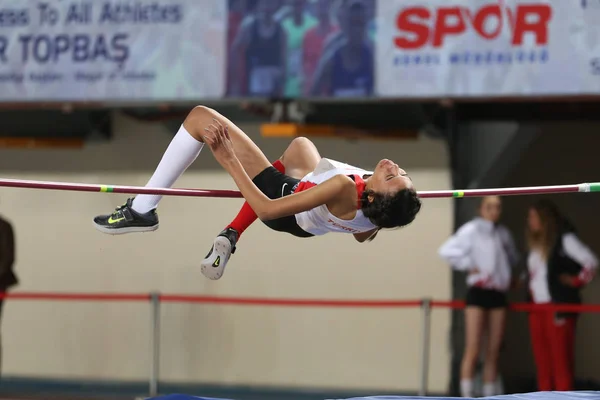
(338, 37)
(559, 266)
(486, 251)
(7, 260)
(314, 42)
(237, 12)
(296, 24)
(260, 47)
(346, 70)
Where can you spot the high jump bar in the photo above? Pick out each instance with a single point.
(85, 187)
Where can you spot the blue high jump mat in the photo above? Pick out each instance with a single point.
(583, 395)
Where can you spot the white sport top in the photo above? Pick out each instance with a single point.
(319, 220)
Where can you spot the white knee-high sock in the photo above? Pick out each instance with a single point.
(466, 388)
(180, 154)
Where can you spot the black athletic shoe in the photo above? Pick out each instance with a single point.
(126, 220)
(223, 247)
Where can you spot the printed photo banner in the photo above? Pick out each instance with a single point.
(189, 50)
(462, 48)
(301, 48)
(102, 50)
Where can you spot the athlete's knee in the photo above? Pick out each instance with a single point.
(300, 142)
(296, 147)
(201, 113)
(492, 355)
(197, 119)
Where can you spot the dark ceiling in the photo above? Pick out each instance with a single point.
(58, 122)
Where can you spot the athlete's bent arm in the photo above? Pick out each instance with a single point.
(265, 208)
(268, 209)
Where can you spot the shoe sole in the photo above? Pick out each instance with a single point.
(122, 231)
(221, 248)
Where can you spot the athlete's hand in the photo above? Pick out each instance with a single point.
(216, 136)
(474, 271)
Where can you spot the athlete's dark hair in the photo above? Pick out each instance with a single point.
(391, 210)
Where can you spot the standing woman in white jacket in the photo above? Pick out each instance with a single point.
(486, 251)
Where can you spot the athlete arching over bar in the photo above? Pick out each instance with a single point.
(301, 193)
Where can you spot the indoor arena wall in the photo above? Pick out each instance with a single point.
(59, 250)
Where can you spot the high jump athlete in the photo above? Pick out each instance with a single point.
(301, 193)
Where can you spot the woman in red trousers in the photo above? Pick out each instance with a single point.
(559, 266)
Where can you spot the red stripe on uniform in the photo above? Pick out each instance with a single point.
(304, 186)
(360, 189)
(358, 180)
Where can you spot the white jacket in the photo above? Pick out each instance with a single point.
(480, 244)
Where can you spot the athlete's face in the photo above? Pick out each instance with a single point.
(323, 10)
(357, 23)
(267, 8)
(388, 178)
(298, 6)
(534, 221)
(491, 208)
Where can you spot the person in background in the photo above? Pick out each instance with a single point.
(237, 11)
(372, 17)
(347, 70)
(284, 10)
(335, 39)
(559, 265)
(296, 25)
(260, 45)
(485, 250)
(314, 41)
(7, 260)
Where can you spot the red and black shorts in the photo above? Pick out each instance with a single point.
(275, 185)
